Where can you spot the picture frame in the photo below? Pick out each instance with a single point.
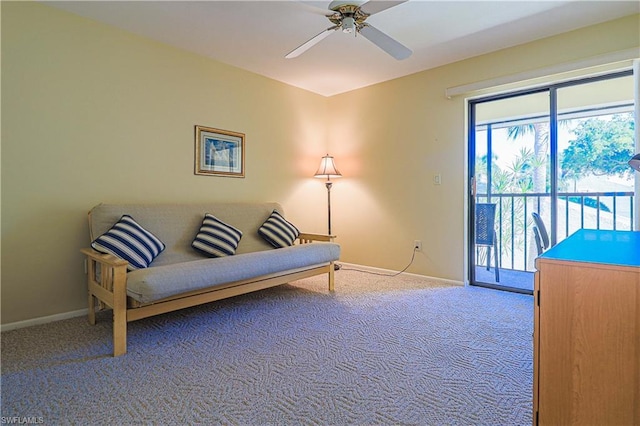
(219, 152)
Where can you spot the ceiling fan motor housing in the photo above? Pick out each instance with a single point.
(337, 4)
(348, 16)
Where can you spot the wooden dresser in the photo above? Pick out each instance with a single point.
(586, 360)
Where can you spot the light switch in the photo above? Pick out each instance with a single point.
(437, 179)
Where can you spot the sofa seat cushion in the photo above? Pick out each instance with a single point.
(160, 282)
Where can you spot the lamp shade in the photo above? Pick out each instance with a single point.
(635, 162)
(327, 168)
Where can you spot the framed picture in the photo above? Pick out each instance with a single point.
(219, 152)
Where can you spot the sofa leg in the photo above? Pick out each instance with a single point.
(331, 277)
(119, 312)
(92, 309)
(119, 332)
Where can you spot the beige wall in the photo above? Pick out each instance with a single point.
(392, 138)
(93, 114)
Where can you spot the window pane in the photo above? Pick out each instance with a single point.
(595, 142)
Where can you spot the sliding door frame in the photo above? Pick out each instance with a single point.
(552, 89)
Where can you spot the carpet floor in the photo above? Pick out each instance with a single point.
(378, 351)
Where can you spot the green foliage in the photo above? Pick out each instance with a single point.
(539, 130)
(601, 147)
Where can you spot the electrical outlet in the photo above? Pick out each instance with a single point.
(417, 245)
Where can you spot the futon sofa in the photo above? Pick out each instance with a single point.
(149, 259)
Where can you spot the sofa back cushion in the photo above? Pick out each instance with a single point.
(176, 225)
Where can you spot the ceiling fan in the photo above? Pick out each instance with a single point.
(350, 16)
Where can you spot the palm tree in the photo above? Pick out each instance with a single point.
(540, 131)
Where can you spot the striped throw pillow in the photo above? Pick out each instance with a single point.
(278, 231)
(131, 242)
(216, 238)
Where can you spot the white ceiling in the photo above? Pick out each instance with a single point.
(256, 35)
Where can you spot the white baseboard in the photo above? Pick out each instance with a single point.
(43, 320)
(390, 272)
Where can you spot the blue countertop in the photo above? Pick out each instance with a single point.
(598, 246)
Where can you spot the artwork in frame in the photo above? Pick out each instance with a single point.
(219, 152)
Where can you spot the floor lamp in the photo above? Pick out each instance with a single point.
(328, 170)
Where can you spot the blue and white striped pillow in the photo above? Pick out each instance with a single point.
(217, 238)
(129, 241)
(278, 231)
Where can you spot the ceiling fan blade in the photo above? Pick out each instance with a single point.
(309, 44)
(386, 43)
(312, 6)
(375, 6)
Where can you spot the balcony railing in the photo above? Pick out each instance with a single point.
(575, 210)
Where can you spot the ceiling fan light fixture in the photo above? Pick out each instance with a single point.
(348, 25)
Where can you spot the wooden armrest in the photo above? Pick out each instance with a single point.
(305, 237)
(107, 259)
(107, 284)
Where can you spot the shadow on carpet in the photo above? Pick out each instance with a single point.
(403, 350)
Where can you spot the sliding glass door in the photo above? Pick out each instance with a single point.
(511, 164)
(542, 164)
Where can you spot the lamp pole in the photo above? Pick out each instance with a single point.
(328, 184)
